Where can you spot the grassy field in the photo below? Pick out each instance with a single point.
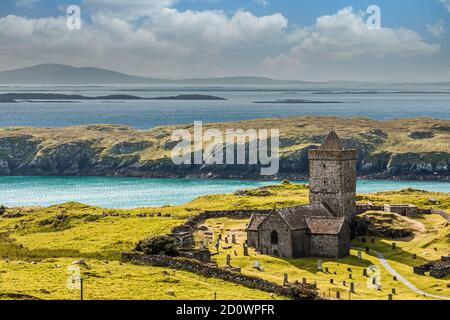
(38, 244)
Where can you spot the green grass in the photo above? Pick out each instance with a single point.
(43, 242)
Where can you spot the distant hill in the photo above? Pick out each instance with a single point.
(66, 75)
(58, 74)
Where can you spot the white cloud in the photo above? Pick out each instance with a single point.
(344, 36)
(151, 39)
(446, 4)
(262, 2)
(436, 30)
(26, 3)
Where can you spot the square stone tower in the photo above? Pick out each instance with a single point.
(332, 181)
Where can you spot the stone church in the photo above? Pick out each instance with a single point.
(322, 228)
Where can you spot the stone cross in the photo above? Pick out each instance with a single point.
(228, 259)
(233, 238)
(319, 265)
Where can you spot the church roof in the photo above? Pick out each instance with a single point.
(332, 142)
(255, 221)
(325, 226)
(295, 216)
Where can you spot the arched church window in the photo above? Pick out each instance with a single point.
(274, 237)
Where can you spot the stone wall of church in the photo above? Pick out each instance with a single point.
(252, 239)
(325, 246)
(333, 180)
(284, 247)
(301, 243)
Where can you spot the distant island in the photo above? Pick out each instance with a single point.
(56, 97)
(189, 97)
(297, 101)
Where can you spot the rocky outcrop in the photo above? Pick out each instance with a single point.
(120, 151)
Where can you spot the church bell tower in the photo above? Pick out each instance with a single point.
(332, 177)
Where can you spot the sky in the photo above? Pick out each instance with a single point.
(316, 40)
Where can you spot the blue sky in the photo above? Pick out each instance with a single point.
(295, 39)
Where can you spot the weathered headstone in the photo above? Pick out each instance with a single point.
(326, 270)
(235, 253)
(365, 272)
(245, 250)
(359, 254)
(390, 296)
(233, 238)
(344, 283)
(228, 259)
(338, 294)
(256, 264)
(220, 236)
(394, 278)
(226, 239)
(286, 278)
(394, 246)
(304, 280)
(367, 250)
(350, 276)
(352, 287)
(394, 291)
(319, 265)
(331, 281)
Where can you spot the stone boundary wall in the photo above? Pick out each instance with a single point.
(296, 292)
(442, 213)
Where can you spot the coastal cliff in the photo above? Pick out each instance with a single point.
(394, 149)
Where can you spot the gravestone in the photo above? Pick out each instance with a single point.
(256, 264)
(350, 276)
(394, 278)
(331, 281)
(233, 238)
(379, 287)
(202, 245)
(344, 283)
(365, 272)
(245, 250)
(394, 291)
(228, 259)
(304, 280)
(326, 270)
(394, 246)
(338, 294)
(390, 296)
(359, 254)
(319, 265)
(220, 236)
(285, 278)
(226, 239)
(235, 253)
(352, 287)
(374, 281)
(367, 250)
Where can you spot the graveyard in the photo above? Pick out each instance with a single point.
(37, 245)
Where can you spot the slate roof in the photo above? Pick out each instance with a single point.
(325, 226)
(295, 216)
(255, 221)
(332, 142)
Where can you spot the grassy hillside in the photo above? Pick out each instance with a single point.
(407, 148)
(40, 243)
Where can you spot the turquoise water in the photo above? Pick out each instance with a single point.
(116, 192)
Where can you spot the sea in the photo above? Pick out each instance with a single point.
(375, 101)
